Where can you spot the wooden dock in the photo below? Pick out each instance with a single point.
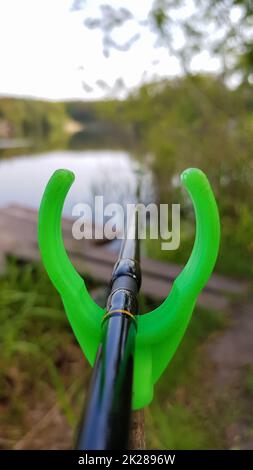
(18, 237)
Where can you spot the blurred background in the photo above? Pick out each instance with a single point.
(112, 90)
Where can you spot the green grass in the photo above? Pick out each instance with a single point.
(183, 414)
(34, 337)
(36, 341)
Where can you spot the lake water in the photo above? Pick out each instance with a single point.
(113, 174)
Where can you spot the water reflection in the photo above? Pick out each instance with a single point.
(113, 174)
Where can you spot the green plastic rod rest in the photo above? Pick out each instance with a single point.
(159, 331)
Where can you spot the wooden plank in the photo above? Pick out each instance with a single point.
(154, 267)
(153, 288)
(31, 215)
(18, 228)
(217, 282)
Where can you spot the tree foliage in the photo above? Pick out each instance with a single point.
(198, 121)
(223, 28)
(32, 118)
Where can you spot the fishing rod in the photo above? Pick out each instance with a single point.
(106, 422)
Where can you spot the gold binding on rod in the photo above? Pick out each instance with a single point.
(121, 312)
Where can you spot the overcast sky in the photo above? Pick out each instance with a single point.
(47, 52)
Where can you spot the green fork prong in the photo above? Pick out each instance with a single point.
(83, 313)
(160, 331)
(206, 246)
(56, 261)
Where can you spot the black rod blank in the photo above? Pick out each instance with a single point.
(107, 418)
